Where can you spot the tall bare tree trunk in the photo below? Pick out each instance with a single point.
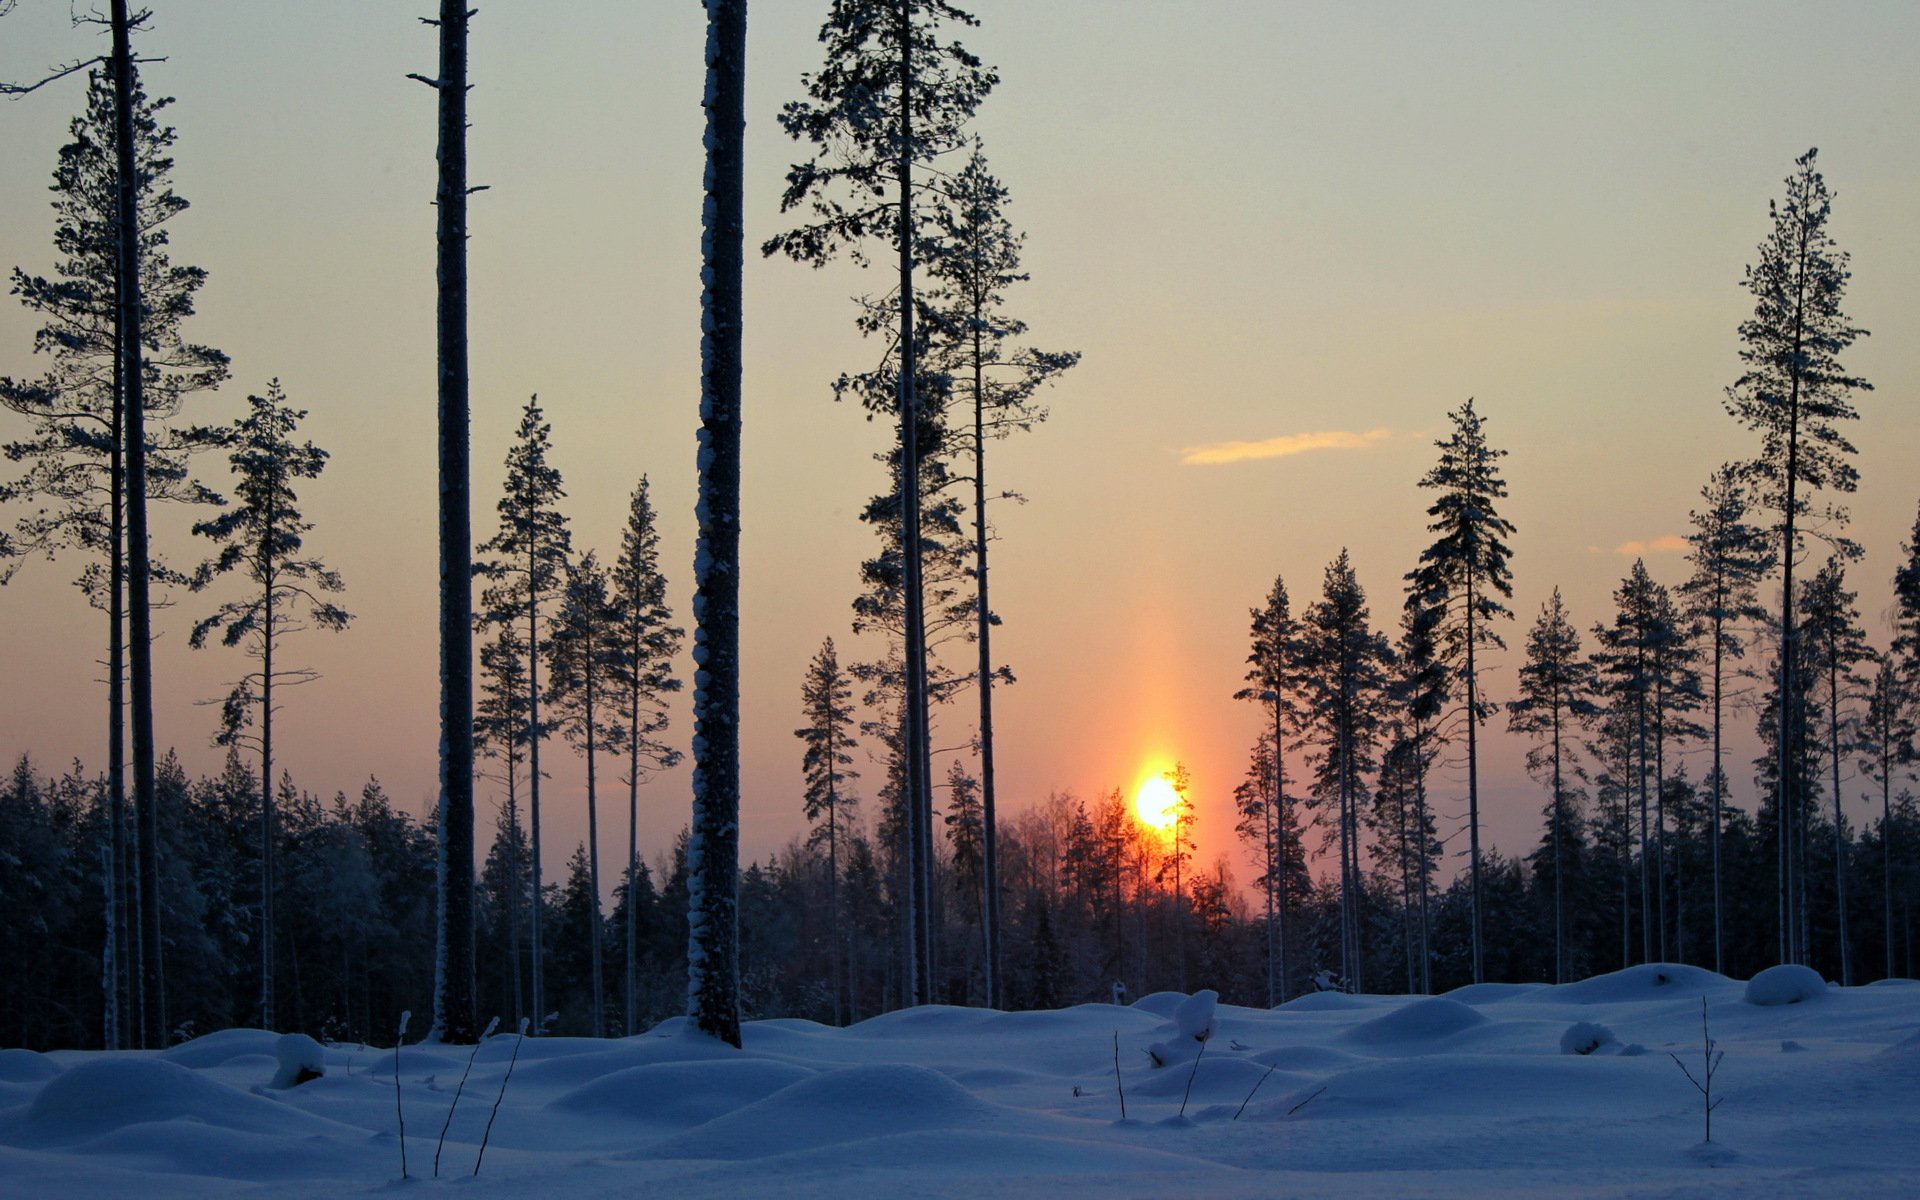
(713, 849)
(139, 570)
(453, 982)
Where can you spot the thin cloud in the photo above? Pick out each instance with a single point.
(1281, 447)
(1669, 544)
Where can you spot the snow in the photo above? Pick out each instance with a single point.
(1466, 1095)
(1787, 983)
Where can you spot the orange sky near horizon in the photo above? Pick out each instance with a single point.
(1287, 239)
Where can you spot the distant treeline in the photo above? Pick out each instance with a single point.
(1089, 901)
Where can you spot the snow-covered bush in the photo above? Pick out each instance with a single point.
(301, 1059)
(1788, 983)
(1585, 1037)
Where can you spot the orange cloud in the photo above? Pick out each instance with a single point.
(1668, 544)
(1281, 447)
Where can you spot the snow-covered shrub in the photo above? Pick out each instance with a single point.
(301, 1059)
(1788, 983)
(1585, 1037)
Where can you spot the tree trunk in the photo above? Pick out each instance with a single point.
(596, 950)
(713, 848)
(453, 982)
(990, 910)
(919, 792)
(139, 569)
(266, 791)
(1473, 788)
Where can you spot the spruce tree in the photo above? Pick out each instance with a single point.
(826, 703)
(524, 565)
(262, 536)
(1794, 393)
(1461, 579)
(1554, 687)
(640, 677)
(890, 99)
(1729, 558)
(713, 848)
(1347, 661)
(585, 647)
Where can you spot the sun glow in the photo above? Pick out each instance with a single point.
(1156, 802)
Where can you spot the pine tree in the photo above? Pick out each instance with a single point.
(966, 842)
(826, 702)
(524, 565)
(978, 261)
(1794, 393)
(1274, 679)
(1886, 745)
(585, 646)
(1836, 645)
(890, 98)
(1554, 688)
(262, 536)
(1461, 578)
(1729, 558)
(1347, 662)
(640, 676)
(713, 851)
(75, 455)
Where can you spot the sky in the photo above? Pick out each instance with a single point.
(1287, 240)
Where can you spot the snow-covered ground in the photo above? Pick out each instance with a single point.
(1469, 1094)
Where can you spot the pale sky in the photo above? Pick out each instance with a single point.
(1287, 239)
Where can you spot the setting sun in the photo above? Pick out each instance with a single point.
(1156, 802)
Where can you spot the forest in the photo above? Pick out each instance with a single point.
(148, 905)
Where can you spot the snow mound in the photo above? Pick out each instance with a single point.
(1323, 1002)
(1414, 1024)
(26, 1066)
(568, 1071)
(1307, 1058)
(300, 1059)
(1788, 983)
(217, 1049)
(100, 1097)
(683, 1094)
(1491, 993)
(924, 1020)
(847, 1105)
(1881, 983)
(1451, 1086)
(1161, 1004)
(1586, 1037)
(1194, 1015)
(1648, 981)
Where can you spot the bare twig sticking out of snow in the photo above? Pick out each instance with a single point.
(1255, 1088)
(398, 1111)
(448, 1123)
(1202, 1039)
(1116, 1075)
(1309, 1100)
(1710, 1062)
(488, 1132)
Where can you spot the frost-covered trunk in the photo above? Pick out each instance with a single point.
(990, 855)
(153, 1022)
(1719, 782)
(713, 845)
(123, 998)
(1473, 782)
(1834, 750)
(919, 774)
(597, 951)
(453, 975)
(266, 786)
